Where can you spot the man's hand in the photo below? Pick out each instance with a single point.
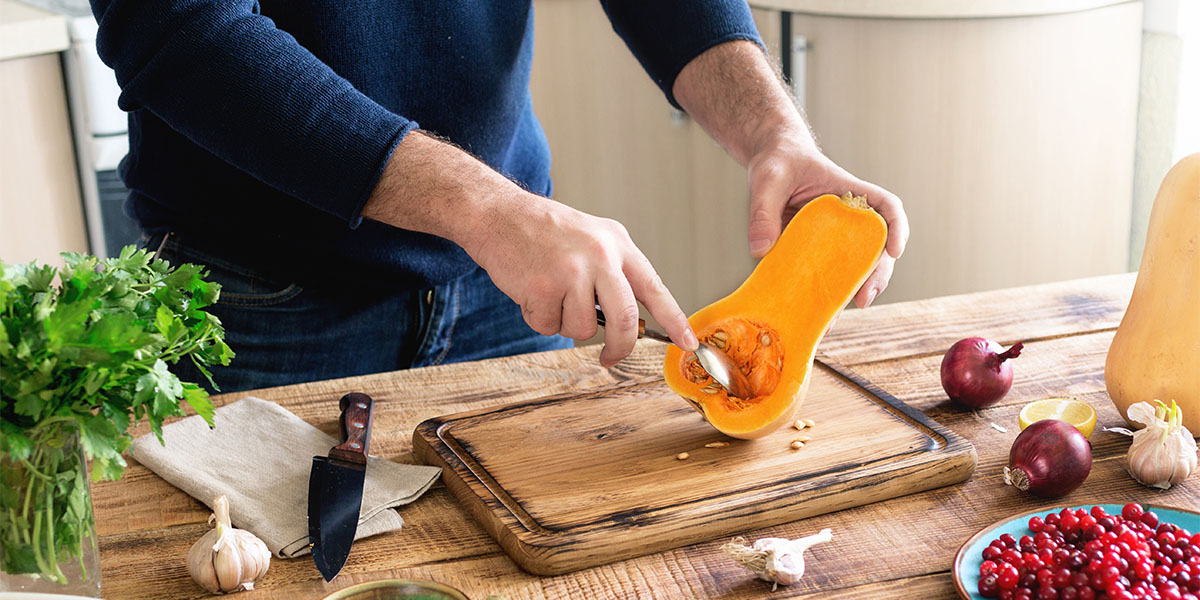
(556, 262)
(785, 175)
(734, 94)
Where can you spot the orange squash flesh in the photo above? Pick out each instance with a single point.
(771, 325)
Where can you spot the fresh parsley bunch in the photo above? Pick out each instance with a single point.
(87, 355)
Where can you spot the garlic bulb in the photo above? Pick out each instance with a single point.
(227, 559)
(1163, 453)
(777, 560)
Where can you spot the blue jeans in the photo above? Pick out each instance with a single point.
(284, 333)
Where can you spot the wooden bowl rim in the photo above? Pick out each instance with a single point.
(432, 586)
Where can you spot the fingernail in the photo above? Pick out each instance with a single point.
(690, 343)
(871, 295)
(759, 246)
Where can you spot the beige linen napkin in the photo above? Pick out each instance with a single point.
(259, 455)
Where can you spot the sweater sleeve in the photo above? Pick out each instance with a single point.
(665, 35)
(226, 77)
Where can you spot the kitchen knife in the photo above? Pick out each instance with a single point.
(335, 487)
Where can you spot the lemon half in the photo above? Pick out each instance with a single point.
(1076, 412)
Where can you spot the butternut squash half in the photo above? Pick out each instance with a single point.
(1155, 353)
(771, 325)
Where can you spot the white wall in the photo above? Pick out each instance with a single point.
(1168, 103)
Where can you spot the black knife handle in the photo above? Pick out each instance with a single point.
(357, 413)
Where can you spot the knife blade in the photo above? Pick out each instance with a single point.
(335, 487)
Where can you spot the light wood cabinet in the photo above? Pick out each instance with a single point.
(41, 213)
(1010, 139)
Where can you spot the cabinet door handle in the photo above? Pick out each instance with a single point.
(800, 48)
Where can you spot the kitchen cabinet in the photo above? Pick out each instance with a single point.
(40, 209)
(1006, 127)
(1010, 138)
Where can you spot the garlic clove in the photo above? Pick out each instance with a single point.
(199, 562)
(778, 560)
(227, 562)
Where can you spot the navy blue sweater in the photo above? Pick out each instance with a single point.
(258, 129)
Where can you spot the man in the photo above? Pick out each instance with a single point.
(370, 185)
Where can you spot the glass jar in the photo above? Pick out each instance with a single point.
(47, 527)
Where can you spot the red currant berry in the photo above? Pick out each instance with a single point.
(988, 586)
(1132, 511)
(1069, 523)
(1008, 577)
(1109, 575)
(1150, 518)
(1045, 577)
(1062, 577)
(1143, 569)
(1047, 593)
(1027, 580)
(1079, 580)
(1036, 524)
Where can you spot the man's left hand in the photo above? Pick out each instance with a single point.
(785, 174)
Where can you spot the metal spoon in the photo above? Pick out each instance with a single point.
(714, 361)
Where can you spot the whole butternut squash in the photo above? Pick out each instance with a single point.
(771, 325)
(1155, 353)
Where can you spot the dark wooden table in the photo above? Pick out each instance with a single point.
(901, 548)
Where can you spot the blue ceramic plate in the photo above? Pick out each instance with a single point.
(969, 557)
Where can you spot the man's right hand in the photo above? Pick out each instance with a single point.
(558, 262)
(554, 261)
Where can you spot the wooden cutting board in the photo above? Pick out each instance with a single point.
(573, 481)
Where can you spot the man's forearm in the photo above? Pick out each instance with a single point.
(434, 187)
(735, 95)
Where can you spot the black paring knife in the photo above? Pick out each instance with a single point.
(335, 487)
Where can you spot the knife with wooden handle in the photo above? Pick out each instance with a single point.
(335, 487)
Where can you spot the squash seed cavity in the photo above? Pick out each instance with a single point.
(754, 348)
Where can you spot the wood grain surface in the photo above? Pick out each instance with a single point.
(579, 480)
(899, 548)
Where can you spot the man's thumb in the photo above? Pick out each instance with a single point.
(765, 227)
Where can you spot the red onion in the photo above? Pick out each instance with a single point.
(975, 373)
(1049, 459)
